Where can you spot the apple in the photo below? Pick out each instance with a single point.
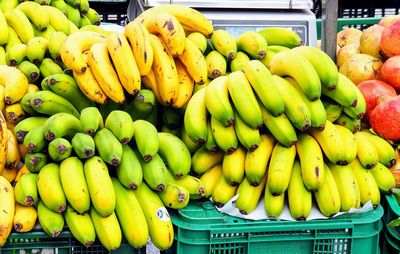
(385, 118)
(372, 90)
(390, 39)
(390, 72)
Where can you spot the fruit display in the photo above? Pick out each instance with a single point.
(103, 132)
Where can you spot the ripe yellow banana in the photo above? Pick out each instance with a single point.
(300, 199)
(383, 177)
(233, 166)
(210, 178)
(349, 143)
(203, 160)
(174, 196)
(216, 64)
(239, 62)
(7, 207)
(3, 54)
(367, 154)
(13, 155)
(20, 22)
(4, 28)
(249, 195)
(16, 54)
(36, 48)
(3, 141)
(35, 13)
(247, 136)
(327, 196)
(186, 85)
(200, 40)
(15, 84)
(273, 205)
(57, 19)
(195, 119)
(223, 192)
(89, 86)
(194, 61)
(386, 153)
(24, 218)
(253, 44)
(81, 226)
(224, 43)
(369, 189)
(107, 229)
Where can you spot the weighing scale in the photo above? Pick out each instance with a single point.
(237, 16)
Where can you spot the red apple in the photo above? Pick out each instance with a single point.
(385, 118)
(390, 72)
(372, 90)
(387, 20)
(390, 39)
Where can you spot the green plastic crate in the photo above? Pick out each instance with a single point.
(65, 243)
(199, 228)
(360, 23)
(391, 242)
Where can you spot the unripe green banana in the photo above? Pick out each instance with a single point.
(386, 153)
(195, 119)
(359, 110)
(253, 44)
(142, 105)
(120, 124)
(49, 67)
(146, 139)
(190, 144)
(84, 6)
(239, 62)
(93, 16)
(25, 190)
(60, 125)
(233, 166)
(81, 226)
(49, 103)
(46, 33)
(74, 184)
(36, 49)
(210, 144)
(100, 186)
(203, 160)
(174, 196)
(60, 5)
(130, 215)
(155, 173)
(107, 229)
(345, 92)
(249, 195)
(300, 199)
(35, 161)
(333, 110)
(85, 21)
(383, 177)
(83, 145)
(280, 168)
(108, 147)
(354, 125)
(26, 104)
(192, 184)
(129, 172)
(16, 54)
(73, 14)
(59, 149)
(50, 188)
(26, 125)
(91, 121)
(43, 2)
(327, 196)
(216, 64)
(52, 223)
(273, 205)
(247, 136)
(281, 36)
(34, 141)
(171, 117)
(223, 192)
(367, 154)
(224, 43)
(199, 39)
(30, 70)
(225, 137)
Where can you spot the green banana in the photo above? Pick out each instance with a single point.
(49, 67)
(359, 110)
(108, 147)
(129, 172)
(345, 92)
(253, 44)
(210, 144)
(146, 139)
(216, 64)
(85, 21)
(52, 223)
(353, 124)
(225, 137)
(26, 125)
(367, 154)
(34, 141)
(174, 196)
(36, 15)
(281, 36)
(50, 188)
(91, 121)
(81, 226)
(25, 190)
(13, 39)
(49, 103)
(45, 34)
(300, 199)
(155, 173)
(35, 161)
(107, 229)
(192, 184)
(60, 125)
(247, 136)
(333, 110)
(16, 54)
(203, 160)
(83, 145)
(93, 16)
(30, 70)
(56, 41)
(84, 6)
(36, 49)
(73, 14)
(59, 149)
(239, 61)
(121, 125)
(171, 118)
(100, 186)
(57, 16)
(195, 118)
(383, 177)
(141, 105)
(190, 144)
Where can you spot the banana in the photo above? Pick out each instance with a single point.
(16, 54)
(210, 144)
(253, 44)
(14, 113)
(3, 141)
(244, 99)
(30, 71)
(83, 145)
(317, 110)
(37, 15)
(93, 16)
(209, 179)
(225, 137)
(141, 105)
(195, 119)
(84, 21)
(52, 223)
(273, 205)
(290, 63)
(300, 199)
(165, 73)
(91, 121)
(386, 153)
(36, 49)
(24, 218)
(100, 186)
(249, 195)
(108, 147)
(94, 28)
(9, 174)
(35, 161)
(57, 19)
(49, 67)
(43, 2)
(146, 138)
(190, 144)
(13, 154)
(333, 110)
(171, 118)
(367, 154)
(194, 61)
(20, 23)
(84, 6)
(59, 149)
(23, 170)
(32, 88)
(217, 101)
(347, 185)
(281, 36)
(139, 39)
(60, 125)
(224, 43)
(155, 173)
(26, 190)
(216, 64)
(50, 189)
(7, 207)
(174, 196)
(149, 82)
(124, 62)
(130, 215)
(265, 86)
(327, 196)
(81, 226)
(256, 162)
(345, 92)
(34, 140)
(107, 229)
(199, 39)
(233, 166)
(100, 63)
(72, 27)
(383, 177)
(71, 51)
(121, 125)
(157, 217)
(247, 136)
(2, 53)
(74, 184)
(223, 192)
(353, 124)
(175, 153)
(311, 160)
(73, 3)
(73, 14)
(45, 34)
(129, 172)
(4, 28)
(280, 168)
(323, 64)
(359, 110)
(13, 38)
(349, 143)
(60, 5)
(369, 189)
(280, 127)
(203, 160)
(239, 62)
(295, 107)
(65, 86)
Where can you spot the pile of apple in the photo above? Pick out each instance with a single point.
(371, 59)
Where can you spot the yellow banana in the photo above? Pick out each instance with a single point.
(194, 61)
(13, 155)
(300, 199)
(247, 136)
(203, 160)
(239, 61)
(210, 178)
(195, 119)
(224, 43)
(7, 206)
(19, 21)
(386, 153)
(35, 13)
(24, 218)
(36, 48)
(3, 54)
(149, 81)
(273, 205)
(186, 85)
(249, 195)
(225, 137)
(107, 229)
(4, 28)
(223, 192)
(13, 38)
(15, 84)
(3, 141)
(80, 226)
(349, 144)
(52, 223)
(174, 196)
(327, 196)
(383, 177)
(367, 154)
(89, 86)
(253, 44)
(281, 36)
(369, 190)
(16, 54)
(14, 113)
(57, 19)
(233, 166)
(216, 64)
(199, 39)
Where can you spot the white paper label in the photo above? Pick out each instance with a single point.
(163, 214)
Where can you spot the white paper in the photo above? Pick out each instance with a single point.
(260, 214)
(112, 27)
